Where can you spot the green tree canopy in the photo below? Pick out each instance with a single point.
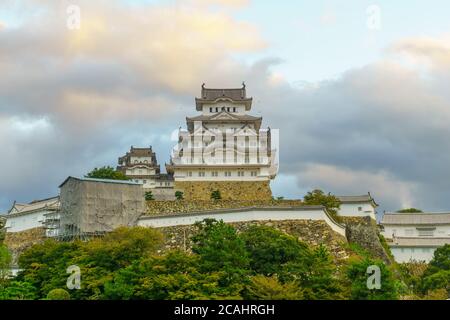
(5, 265)
(215, 195)
(58, 294)
(437, 275)
(357, 275)
(179, 195)
(329, 201)
(149, 196)
(220, 248)
(270, 250)
(270, 288)
(106, 172)
(410, 210)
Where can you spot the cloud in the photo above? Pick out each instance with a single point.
(381, 128)
(71, 100)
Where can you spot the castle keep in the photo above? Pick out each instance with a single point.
(224, 148)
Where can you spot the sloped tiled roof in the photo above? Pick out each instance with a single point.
(209, 95)
(99, 180)
(232, 117)
(416, 218)
(36, 205)
(357, 199)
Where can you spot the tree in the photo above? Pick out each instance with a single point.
(357, 276)
(270, 288)
(106, 172)
(58, 294)
(2, 229)
(215, 195)
(149, 196)
(437, 275)
(179, 195)
(270, 250)
(329, 201)
(220, 249)
(44, 265)
(174, 275)
(18, 290)
(410, 210)
(5, 265)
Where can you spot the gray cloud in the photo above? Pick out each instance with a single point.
(70, 102)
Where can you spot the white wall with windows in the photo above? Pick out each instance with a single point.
(231, 174)
(357, 210)
(22, 222)
(406, 254)
(439, 231)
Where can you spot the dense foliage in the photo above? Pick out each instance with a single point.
(179, 195)
(329, 201)
(149, 196)
(410, 210)
(106, 173)
(216, 195)
(259, 262)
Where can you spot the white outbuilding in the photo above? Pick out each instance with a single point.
(25, 216)
(415, 236)
(358, 206)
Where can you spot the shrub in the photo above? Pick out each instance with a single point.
(215, 195)
(58, 294)
(149, 196)
(179, 195)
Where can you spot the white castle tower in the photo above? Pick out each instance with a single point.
(224, 148)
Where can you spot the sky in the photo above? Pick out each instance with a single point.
(358, 89)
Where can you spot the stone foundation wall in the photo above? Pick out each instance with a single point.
(313, 233)
(18, 242)
(156, 207)
(364, 232)
(229, 190)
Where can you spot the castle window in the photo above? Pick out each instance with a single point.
(223, 108)
(210, 109)
(189, 174)
(234, 109)
(227, 173)
(253, 173)
(228, 109)
(240, 173)
(215, 174)
(217, 109)
(145, 181)
(201, 173)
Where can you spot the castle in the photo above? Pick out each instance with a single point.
(224, 148)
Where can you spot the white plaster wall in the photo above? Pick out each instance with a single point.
(407, 254)
(25, 222)
(352, 210)
(441, 231)
(140, 171)
(275, 215)
(182, 175)
(140, 159)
